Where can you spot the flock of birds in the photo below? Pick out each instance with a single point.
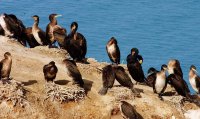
(74, 42)
(76, 45)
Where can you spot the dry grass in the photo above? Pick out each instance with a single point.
(14, 92)
(62, 94)
(121, 93)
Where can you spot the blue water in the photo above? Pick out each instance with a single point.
(161, 30)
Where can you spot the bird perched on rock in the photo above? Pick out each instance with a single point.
(76, 44)
(160, 82)
(179, 84)
(134, 61)
(113, 50)
(5, 66)
(30, 38)
(73, 72)
(52, 27)
(11, 26)
(50, 70)
(194, 79)
(38, 33)
(174, 67)
(128, 111)
(108, 79)
(151, 76)
(112, 72)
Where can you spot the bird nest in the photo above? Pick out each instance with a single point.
(13, 91)
(121, 93)
(62, 94)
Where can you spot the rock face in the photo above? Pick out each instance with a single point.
(27, 68)
(192, 114)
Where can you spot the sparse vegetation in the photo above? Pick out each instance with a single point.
(13, 91)
(62, 94)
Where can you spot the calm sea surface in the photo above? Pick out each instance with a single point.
(161, 30)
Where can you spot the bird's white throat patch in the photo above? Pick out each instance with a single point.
(4, 26)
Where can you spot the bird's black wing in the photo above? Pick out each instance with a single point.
(82, 43)
(139, 57)
(47, 32)
(170, 78)
(178, 71)
(42, 36)
(75, 74)
(151, 71)
(154, 88)
(56, 69)
(108, 79)
(16, 27)
(16, 24)
(70, 61)
(150, 79)
(122, 77)
(186, 86)
(129, 59)
(30, 38)
(118, 54)
(1, 31)
(45, 69)
(83, 46)
(179, 84)
(60, 34)
(128, 111)
(11, 20)
(197, 80)
(108, 76)
(74, 71)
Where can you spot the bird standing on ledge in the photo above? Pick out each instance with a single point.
(5, 66)
(194, 79)
(38, 34)
(51, 27)
(113, 50)
(134, 61)
(76, 44)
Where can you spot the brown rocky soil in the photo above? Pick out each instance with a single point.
(28, 68)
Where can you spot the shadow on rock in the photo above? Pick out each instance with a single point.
(30, 82)
(171, 93)
(87, 85)
(61, 82)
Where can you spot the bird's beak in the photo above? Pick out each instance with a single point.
(59, 15)
(140, 61)
(194, 70)
(149, 73)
